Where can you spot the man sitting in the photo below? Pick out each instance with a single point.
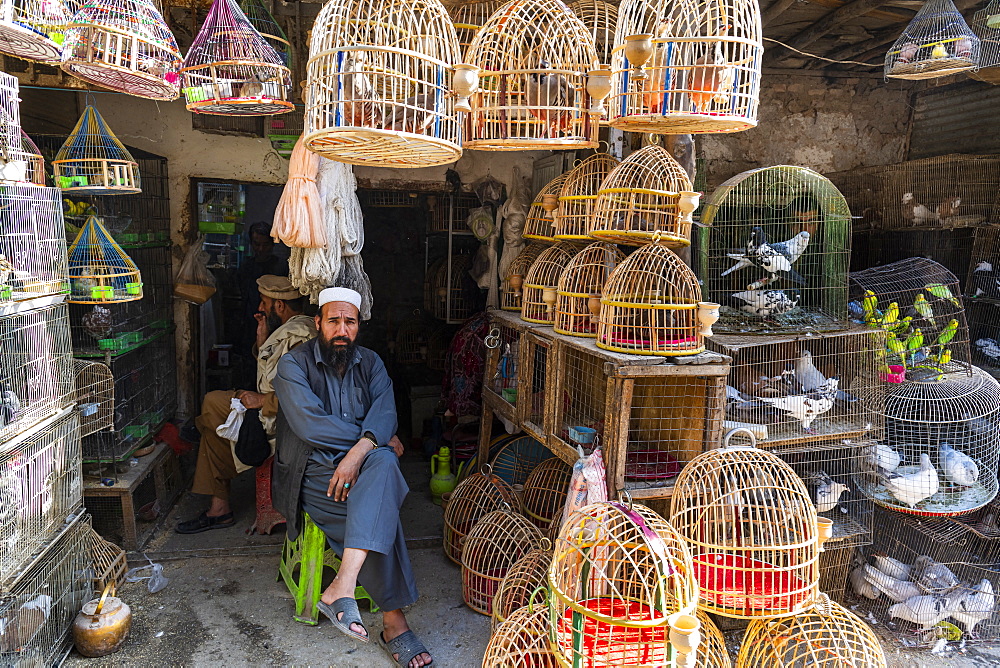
(281, 326)
(333, 461)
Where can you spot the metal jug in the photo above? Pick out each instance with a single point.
(102, 625)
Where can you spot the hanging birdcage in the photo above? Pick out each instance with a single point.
(652, 306)
(578, 194)
(524, 584)
(828, 636)
(35, 29)
(545, 494)
(647, 198)
(494, 545)
(774, 252)
(474, 498)
(686, 67)
(94, 396)
(100, 271)
(468, 17)
(32, 243)
(513, 282)
(986, 25)
(265, 24)
(232, 70)
(580, 287)
(93, 161)
(123, 45)
(522, 641)
(601, 18)
(620, 589)
(537, 88)
(517, 459)
(379, 84)
(29, 152)
(540, 224)
(752, 530)
(936, 43)
(538, 298)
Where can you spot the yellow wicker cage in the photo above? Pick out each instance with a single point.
(33, 156)
(581, 284)
(109, 563)
(578, 194)
(533, 59)
(540, 224)
(513, 282)
(378, 86)
(452, 301)
(545, 493)
(753, 532)
(538, 298)
(92, 160)
(522, 641)
(686, 67)
(524, 584)
(601, 18)
(493, 546)
(474, 498)
(652, 306)
(712, 651)
(826, 637)
(34, 29)
(99, 270)
(620, 581)
(647, 198)
(468, 17)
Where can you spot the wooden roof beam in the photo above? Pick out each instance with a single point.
(830, 20)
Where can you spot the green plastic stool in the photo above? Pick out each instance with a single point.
(310, 554)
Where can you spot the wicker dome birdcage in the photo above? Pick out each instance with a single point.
(411, 343)
(452, 300)
(533, 59)
(379, 84)
(538, 298)
(712, 651)
(93, 162)
(517, 459)
(100, 272)
(493, 546)
(776, 251)
(828, 636)
(513, 282)
(620, 576)
(540, 224)
(124, 45)
(468, 17)
(646, 198)
(473, 498)
(524, 584)
(581, 284)
(986, 25)
(232, 70)
(936, 43)
(601, 18)
(522, 641)
(264, 22)
(686, 67)
(753, 532)
(652, 305)
(545, 494)
(34, 29)
(578, 194)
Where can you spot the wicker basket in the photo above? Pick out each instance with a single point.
(580, 287)
(493, 546)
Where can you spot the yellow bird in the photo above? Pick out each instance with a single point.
(939, 51)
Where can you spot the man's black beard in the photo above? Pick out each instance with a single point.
(336, 356)
(273, 321)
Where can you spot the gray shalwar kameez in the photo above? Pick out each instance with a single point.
(321, 416)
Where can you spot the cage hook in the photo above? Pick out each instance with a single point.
(729, 436)
(492, 340)
(545, 544)
(626, 498)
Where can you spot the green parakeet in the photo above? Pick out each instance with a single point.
(894, 344)
(915, 340)
(948, 333)
(924, 307)
(869, 303)
(891, 314)
(942, 291)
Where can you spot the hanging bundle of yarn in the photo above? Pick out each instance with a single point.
(298, 219)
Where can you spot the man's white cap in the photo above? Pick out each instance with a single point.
(340, 295)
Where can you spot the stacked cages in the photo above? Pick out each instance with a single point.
(33, 244)
(982, 300)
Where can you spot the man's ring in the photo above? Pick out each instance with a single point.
(346, 485)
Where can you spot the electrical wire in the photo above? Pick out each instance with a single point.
(829, 60)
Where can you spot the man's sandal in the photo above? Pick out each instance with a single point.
(347, 608)
(406, 645)
(205, 523)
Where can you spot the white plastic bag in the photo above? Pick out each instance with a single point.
(230, 429)
(151, 573)
(588, 484)
(194, 282)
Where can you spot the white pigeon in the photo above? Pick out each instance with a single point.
(894, 568)
(860, 585)
(827, 491)
(884, 457)
(807, 407)
(927, 610)
(897, 590)
(933, 576)
(913, 488)
(806, 373)
(957, 467)
(988, 347)
(978, 605)
(765, 303)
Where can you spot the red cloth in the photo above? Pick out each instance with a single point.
(464, 365)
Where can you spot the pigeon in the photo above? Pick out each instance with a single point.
(765, 303)
(415, 114)
(957, 467)
(988, 348)
(774, 386)
(362, 106)
(826, 491)
(897, 590)
(775, 259)
(545, 90)
(916, 212)
(894, 568)
(913, 488)
(985, 282)
(858, 582)
(884, 457)
(806, 373)
(977, 605)
(807, 407)
(737, 401)
(927, 610)
(933, 576)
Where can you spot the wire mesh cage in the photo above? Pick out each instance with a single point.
(33, 243)
(797, 389)
(265, 24)
(450, 213)
(39, 608)
(93, 162)
(983, 279)
(620, 578)
(775, 252)
(829, 635)
(284, 130)
(513, 282)
(835, 565)
(40, 485)
(411, 342)
(474, 498)
(580, 286)
(378, 87)
(752, 529)
(686, 68)
(99, 270)
(540, 223)
(523, 585)
(984, 332)
(534, 88)
(232, 70)
(94, 396)
(918, 302)
(652, 305)
(468, 18)
(517, 459)
(34, 29)
(578, 194)
(455, 299)
(647, 198)
(601, 18)
(936, 43)
(538, 297)
(30, 153)
(503, 346)
(987, 29)
(494, 545)
(123, 45)
(545, 494)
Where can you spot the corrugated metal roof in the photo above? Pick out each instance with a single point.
(961, 118)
